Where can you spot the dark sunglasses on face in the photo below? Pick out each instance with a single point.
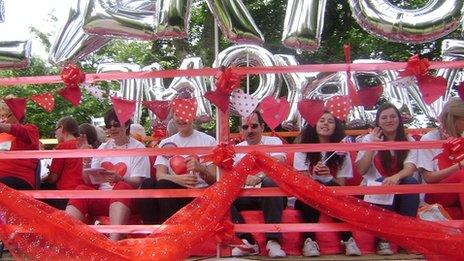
(253, 126)
(115, 124)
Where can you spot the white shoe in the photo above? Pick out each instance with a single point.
(351, 249)
(383, 248)
(274, 249)
(310, 248)
(245, 249)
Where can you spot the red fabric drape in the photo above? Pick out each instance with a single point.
(51, 234)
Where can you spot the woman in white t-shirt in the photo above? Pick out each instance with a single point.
(112, 173)
(328, 168)
(391, 167)
(439, 169)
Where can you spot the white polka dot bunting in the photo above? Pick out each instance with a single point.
(45, 100)
(242, 103)
(339, 106)
(185, 109)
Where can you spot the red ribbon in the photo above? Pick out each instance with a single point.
(222, 156)
(352, 93)
(72, 75)
(416, 67)
(453, 149)
(224, 232)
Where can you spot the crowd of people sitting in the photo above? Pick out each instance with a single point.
(330, 168)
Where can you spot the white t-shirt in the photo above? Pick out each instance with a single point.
(425, 158)
(265, 140)
(372, 173)
(345, 170)
(197, 139)
(137, 166)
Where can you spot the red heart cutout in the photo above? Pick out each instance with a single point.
(185, 109)
(220, 99)
(370, 96)
(178, 164)
(159, 108)
(119, 168)
(273, 111)
(461, 90)
(339, 106)
(431, 87)
(311, 110)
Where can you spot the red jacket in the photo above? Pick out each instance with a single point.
(26, 138)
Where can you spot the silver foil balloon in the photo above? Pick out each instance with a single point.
(251, 55)
(428, 23)
(298, 85)
(112, 21)
(194, 85)
(72, 43)
(235, 21)
(14, 54)
(126, 20)
(2, 11)
(130, 89)
(304, 21)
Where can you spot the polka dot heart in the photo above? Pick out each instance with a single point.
(185, 109)
(243, 104)
(44, 100)
(339, 106)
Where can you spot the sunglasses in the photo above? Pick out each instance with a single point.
(57, 128)
(115, 124)
(253, 126)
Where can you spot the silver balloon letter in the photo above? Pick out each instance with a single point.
(14, 54)
(304, 21)
(2, 11)
(435, 20)
(235, 21)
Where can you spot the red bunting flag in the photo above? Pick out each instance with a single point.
(72, 94)
(311, 110)
(124, 109)
(185, 109)
(273, 111)
(339, 106)
(159, 108)
(17, 107)
(44, 100)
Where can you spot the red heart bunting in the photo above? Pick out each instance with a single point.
(431, 87)
(242, 103)
(17, 107)
(45, 100)
(185, 109)
(273, 111)
(159, 108)
(370, 96)
(124, 109)
(461, 90)
(72, 94)
(339, 106)
(311, 110)
(220, 99)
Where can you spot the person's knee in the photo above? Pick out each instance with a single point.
(148, 183)
(166, 184)
(268, 182)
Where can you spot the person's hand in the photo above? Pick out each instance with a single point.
(111, 176)
(186, 180)
(376, 134)
(193, 164)
(252, 180)
(321, 169)
(392, 180)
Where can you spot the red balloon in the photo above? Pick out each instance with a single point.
(178, 165)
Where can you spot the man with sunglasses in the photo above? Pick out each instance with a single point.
(252, 128)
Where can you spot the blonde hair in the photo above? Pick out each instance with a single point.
(452, 110)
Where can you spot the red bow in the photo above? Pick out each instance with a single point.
(226, 82)
(453, 149)
(416, 67)
(72, 75)
(222, 156)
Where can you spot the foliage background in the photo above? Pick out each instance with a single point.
(339, 28)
